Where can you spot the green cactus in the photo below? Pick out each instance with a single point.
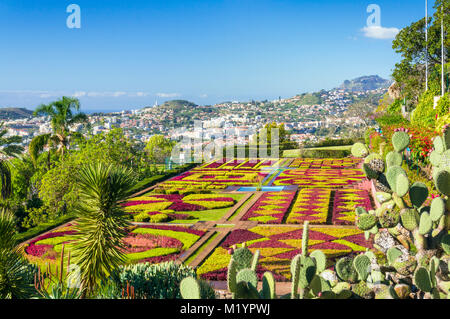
(369, 172)
(445, 243)
(442, 181)
(319, 285)
(307, 272)
(360, 150)
(418, 194)
(255, 260)
(295, 274)
(362, 265)
(268, 286)
(366, 221)
(360, 211)
(245, 290)
(320, 260)
(439, 144)
(410, 218)
(190, 288)
(343, 290)
(425, 224)
(231, 276)
(345, 270)
(435, 158)
(394, 159)
(422, 279)
(400, 141)
(392, 254)
(398, 180)
(243, 258)
(437, 209)
(248, 276)
(305, 239)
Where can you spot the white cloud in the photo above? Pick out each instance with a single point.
(379, 32)
(79, 94)
(168, 95)
(203, 96)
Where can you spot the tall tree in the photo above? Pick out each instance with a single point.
(9, 147)
(158, 148)
(410, 43)
(62, 118)
(98, 246)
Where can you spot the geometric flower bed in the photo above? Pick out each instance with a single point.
(244, 164)
(176, 207)
(312, 205)
(270, 208)
(345, 203)
(279, 244)
(321, 178)
(335, 163)
(147, 243)
(214, 179)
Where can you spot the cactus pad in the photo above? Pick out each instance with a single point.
(394, 159)
(425, 224)
(410, 219)
(366, 221)
(318, 284)
(248, 276)
(442, 181)
(422, 279)
(307, 272)
(360, 150)
(231, 276)
(437, 209)
(418, 194)
(362, 265)
(439, 145)
(445, 243)
(320, 260)
(268, 286)
(400, 141)
(243, 258)
(360, 210)
(255, 260)
(190, 288)
(392, 254)
(435, 158)
(345, 270)
(369, 172)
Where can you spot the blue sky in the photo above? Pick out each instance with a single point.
(129, 53)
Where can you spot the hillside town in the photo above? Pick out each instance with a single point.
(306, 121)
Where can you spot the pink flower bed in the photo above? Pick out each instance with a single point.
(345, 203)
(277, 208)
(40, 250)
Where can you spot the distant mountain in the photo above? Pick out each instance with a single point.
(177, 105)
(366, 83)
(13, 113)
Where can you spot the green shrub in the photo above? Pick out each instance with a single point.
(161, 281)
(159, 218)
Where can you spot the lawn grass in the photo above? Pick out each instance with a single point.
(239, 209)
(200, 249)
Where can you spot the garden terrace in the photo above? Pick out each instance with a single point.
(195, 217)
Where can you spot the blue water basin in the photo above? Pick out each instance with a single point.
(263, 189)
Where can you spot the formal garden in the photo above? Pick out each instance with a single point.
(353, 227)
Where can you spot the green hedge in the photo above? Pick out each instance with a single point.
(42, 228)
(152, 180)
(317, 153)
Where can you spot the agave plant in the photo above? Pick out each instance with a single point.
(15, 275)
(98, 246)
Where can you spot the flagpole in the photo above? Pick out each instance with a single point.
(426, 45)
(442, 47)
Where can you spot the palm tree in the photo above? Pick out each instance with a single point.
(8, 148)
(98, 246)
(62, 118)
(15, 278)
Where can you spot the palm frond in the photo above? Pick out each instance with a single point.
(37, 146)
